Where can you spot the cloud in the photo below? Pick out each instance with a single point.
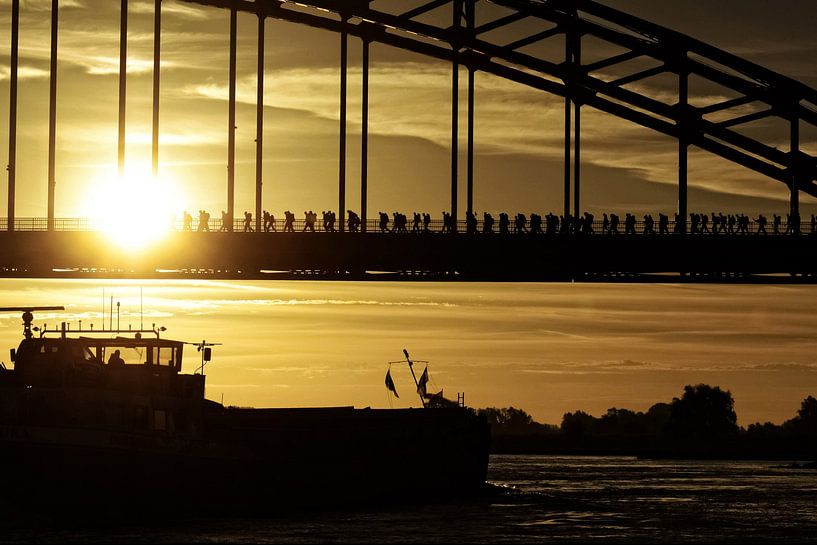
(171, 7)
(24, 72)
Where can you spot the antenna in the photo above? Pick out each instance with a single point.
(206, 352)
(28, 316)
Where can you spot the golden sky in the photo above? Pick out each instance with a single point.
(518, 130)
(548, 348)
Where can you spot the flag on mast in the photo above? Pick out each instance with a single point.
(390, 383)
(421, 384)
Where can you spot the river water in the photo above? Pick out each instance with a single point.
(532, 499)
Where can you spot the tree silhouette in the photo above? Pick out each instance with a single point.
(806, 420)
(703, 412)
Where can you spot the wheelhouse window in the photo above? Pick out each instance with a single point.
(130, 355)
(163, 355)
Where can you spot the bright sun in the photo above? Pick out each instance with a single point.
(134, 210)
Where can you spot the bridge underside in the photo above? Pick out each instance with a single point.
(429, 257)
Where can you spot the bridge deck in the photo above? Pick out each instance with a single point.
(431, 256)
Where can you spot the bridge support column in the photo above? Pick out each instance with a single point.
(123, 81)
(794, 202)
(455, 112)
(683, 150)
(231, 123)
(470, 21)
(157, 73)
(470, 158)
(568, 151)
(577, 127)
(577, 160)
(259, 127)
(364, 138)
(52, 115)
(344, 60)
(12, 165)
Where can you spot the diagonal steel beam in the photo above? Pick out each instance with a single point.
(748, 118)
(612, 61)
(538, 37)
(644, 74)
(726, 105)
(499, 23)
(425, 8)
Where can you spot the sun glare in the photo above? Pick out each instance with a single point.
(134, 210)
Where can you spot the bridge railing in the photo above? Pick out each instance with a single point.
(41, 224)
(29, 224)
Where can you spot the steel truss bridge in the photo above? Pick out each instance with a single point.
(468, 39)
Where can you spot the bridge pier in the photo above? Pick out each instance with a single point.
(259, 126)
(231, 121)
(15, 58)
(157, 71)
(364, 139)
(52, 115)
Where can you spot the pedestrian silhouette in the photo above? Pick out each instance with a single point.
(204, 221)
(353, 221)
(761, 224)
(309, 221)
(384, 222)
(248, 223)
(470, 223)
(663, 224)
(289, 222)
(187, 221)
(487, 223)
(504, 223)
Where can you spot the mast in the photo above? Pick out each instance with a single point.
(416, 384)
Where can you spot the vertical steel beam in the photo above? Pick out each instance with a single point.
(259, 126)
(577, 159)
(52, 115)
(231, 122)
(456, 6)
(568, 116)
(683, 149)
(470, 181)
(577, 129)
(15, 58)
(123, 81)
(344, 58)
(794, 203)
(364, 137)
(470, 17)
(157, 72)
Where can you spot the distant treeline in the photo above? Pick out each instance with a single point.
(700, 424)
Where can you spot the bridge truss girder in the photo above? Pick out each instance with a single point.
(769, 94)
